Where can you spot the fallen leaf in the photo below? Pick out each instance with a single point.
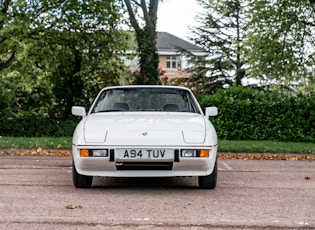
(265, 157)
(71, 206)
(243, 156)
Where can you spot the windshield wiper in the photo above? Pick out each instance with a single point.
(110, 110)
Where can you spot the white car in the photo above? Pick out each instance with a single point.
(145, 131)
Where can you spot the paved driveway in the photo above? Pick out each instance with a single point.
(37, 193)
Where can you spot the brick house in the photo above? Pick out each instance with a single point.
(171, 62)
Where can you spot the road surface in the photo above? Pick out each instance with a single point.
(37, 193)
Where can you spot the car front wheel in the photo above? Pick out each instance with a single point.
(209, 181)
(80, 181)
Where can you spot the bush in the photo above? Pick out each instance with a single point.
(250, 114)
(244, 114)
(35, 126)
(6, 100)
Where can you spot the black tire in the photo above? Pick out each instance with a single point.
(209, 181)
(80, 181)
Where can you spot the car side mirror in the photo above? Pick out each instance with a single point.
(211, 111)
(78, 111)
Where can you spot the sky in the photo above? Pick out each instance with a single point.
(175, 16)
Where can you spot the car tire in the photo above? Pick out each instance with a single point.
(80, 181)
(209, 181)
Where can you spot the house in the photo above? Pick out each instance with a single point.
(170, 60)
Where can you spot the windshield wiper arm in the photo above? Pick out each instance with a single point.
(110, 110)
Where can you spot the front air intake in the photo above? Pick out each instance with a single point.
(144, 166)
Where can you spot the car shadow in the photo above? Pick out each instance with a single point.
(146, 182)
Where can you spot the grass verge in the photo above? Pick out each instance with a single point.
(225, 146)
(35, 142)
(229, 146)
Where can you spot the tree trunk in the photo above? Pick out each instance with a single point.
(146, 41)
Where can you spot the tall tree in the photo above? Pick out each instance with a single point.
(220, 34)
(9, 35)
(146, 38)
(92, 41)
(63, 51)
(279, 41)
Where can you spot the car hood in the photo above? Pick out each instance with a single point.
(144, 129)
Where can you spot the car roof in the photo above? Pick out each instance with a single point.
(146, 86)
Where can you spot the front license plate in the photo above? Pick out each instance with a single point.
(144, 154)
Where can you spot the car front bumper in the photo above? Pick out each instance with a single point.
(113, 166)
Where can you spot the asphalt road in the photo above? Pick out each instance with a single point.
(37, 193)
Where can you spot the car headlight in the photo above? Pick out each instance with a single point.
(189, 153)
(93, 152)
(195, 153)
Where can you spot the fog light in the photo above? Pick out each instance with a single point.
(84, 152)
(99, 152)
(204, 153)
(189, 153)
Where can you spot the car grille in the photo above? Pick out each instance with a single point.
(144, 166)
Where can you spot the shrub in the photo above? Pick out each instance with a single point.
(244, 114)
(35, 126)
(251, 114)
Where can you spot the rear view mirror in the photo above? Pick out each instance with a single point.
(211, 111)
(78, 111)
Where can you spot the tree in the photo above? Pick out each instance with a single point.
(146, 39)
(62, 52)
(92, 41)
(86, 62)
(19, 26)
(8, 44)
(220, 34)
(279, 41)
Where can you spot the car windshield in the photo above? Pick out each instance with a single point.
(145, 99)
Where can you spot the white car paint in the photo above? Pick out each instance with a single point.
(160, 131)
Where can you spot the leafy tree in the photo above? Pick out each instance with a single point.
(86, 62)
(220, 34)
(146, 38)
(8, 44)
(59, 53)
(20, 22)
(88, 51)
(279, 41)
(6, 99)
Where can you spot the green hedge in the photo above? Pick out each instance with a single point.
(35, 126)
(244, 114)
(249, 114)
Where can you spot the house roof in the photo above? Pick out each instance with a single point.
(168, 44)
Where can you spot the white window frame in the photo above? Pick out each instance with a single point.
(173, 62)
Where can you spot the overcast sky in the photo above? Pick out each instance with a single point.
(175, 16)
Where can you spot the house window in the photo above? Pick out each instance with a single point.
(173, 62)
